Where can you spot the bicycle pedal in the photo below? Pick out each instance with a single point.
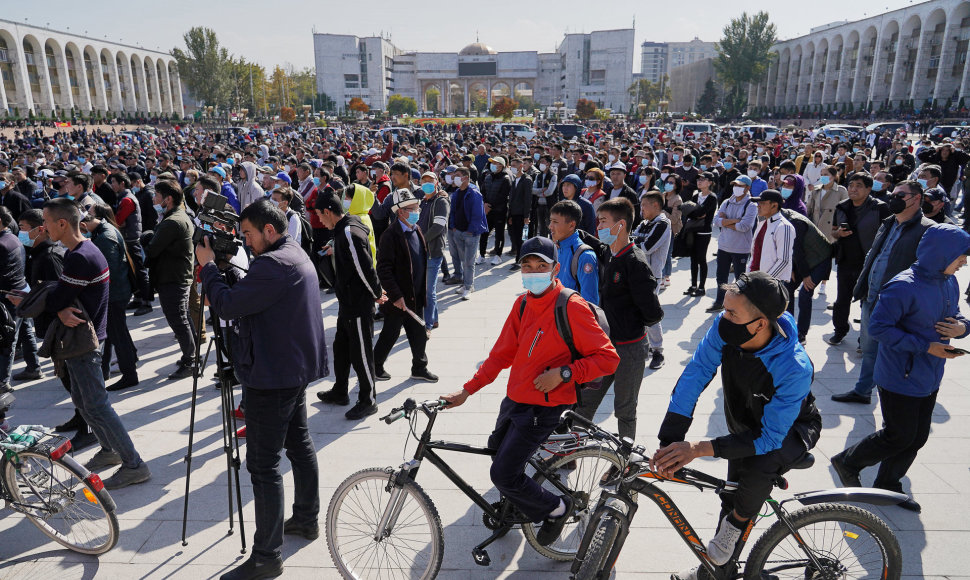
(481, 557)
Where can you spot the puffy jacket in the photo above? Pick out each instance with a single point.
(811, 248)
(766, 393)
(360, 206)
(903, 252)
(496, 188)
(472, 209)
(531, 344)
(903, 321)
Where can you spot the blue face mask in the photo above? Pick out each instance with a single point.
(877, 185)
(316, 181)
(922, 183)
(703, 168)
(413, 218)
(70, 197)
(3, 184)
(786, 192)
(606, 235)
(24, 238)
(536, 283)
(86, 235)
(493, 168)
(427, 188)
(728, 165)
(82, 159)
(824, 180)
(159, 208)
(668, 187)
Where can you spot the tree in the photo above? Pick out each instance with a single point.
(650, 93)
(742, 56)
(358, 105)
(585, 109)
(503, 107)
(707, 102)
(399, 105)
(288, 114)
(202, 66)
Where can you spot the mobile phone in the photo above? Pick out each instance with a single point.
(955, 350)
(844, 225)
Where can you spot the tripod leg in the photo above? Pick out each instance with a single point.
(230, 439)
(188, 455)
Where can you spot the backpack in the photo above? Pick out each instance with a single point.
(306, 232)
(602, 252)
(565, 331)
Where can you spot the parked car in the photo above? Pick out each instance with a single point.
(941, 132)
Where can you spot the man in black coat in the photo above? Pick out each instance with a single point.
(402, 261)
(495, 190)
(621, 189)
(520, 206)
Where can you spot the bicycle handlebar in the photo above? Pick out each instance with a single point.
(409, 406)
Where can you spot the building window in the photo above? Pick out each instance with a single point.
(597, 77)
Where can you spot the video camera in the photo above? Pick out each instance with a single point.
(215, 210)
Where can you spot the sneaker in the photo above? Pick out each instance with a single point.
(72, 424)
(686, 575)
(360, 410)
(126, 476)
(459, 290)
(83, 440)
(255, 569)
(848, 477)
(103, 460)
(123, 383)
(515, 267)
(552, 527)
(836, 339)
(690, 291)
(714, 308)
(657, 362)
(28, 375)
(183, 371)
(333, 397)
(241, 432)
(698, 292)
(479, 260)
(5, 388)
(239, 413)
(143, 310)
(496, 260)
(424, 376)
(308, 531)
(821, 287)
(911, 505)
(381, 375)
(667, 280)
(466, 293)
(452, 280)
(721, 547)
(802, 339)
(852, 397)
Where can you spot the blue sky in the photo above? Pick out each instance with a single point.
(281, 31)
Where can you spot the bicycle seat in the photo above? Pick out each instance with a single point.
(805, 462)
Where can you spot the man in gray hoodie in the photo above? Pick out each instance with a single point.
(247, 189)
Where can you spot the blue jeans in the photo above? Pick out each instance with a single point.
(91, 399)
(869, 349)
(724, 262)
(669, 264)
(818, 273)
(30, 349)
(455, 252)
(431, 310)
(467, 246)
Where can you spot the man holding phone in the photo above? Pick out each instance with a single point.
(913, 345)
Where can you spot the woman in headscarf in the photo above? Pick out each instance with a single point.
(793, 190)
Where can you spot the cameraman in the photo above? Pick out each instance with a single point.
(282, 349)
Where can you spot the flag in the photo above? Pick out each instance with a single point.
(62, 124)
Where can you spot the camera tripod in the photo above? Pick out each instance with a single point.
(230, 442)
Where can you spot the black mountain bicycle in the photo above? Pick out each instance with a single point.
(62, 498)
(382, 524)
(827, 539)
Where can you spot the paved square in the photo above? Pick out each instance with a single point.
(157, 413)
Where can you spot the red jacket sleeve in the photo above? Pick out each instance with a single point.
(502, 354)
(599, 357)
(125, 208)
(388, 151)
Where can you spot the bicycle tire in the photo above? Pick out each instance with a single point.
(600, 546)
(79, 503)
(848, 515)
(564, 549)
(356, 509)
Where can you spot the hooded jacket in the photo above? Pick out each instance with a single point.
(766, 393)
(360, 206)
(909, 306)
(796, 201)
(357, 285)
(249, 190)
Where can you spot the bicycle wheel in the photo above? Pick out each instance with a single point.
(415, 546)
(598, 551)
(581, 472)
(848, 542)
(54, 496)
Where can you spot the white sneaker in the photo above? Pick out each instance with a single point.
(479, 260)
(460, 289)
(466, 293)
(496, 260)
(721, 547)
(821, 287)
(686, 575)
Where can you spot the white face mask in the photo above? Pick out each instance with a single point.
(373, 174)
(663, 176)
(448, 179)
(752, 173)
(582, 165)
(590, 183)
(611, 158)
(542, 166)
(738, 191)
(514, 171)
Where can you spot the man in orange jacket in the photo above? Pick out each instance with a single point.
(542, 382)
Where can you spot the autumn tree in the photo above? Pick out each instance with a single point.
(503, 107)
(585, 109)
(358, 105)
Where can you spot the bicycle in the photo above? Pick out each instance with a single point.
(66, 501)
(381, 523)
(863, 546)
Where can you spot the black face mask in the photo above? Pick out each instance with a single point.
(927, 207)
(733, 333)
(897, 204)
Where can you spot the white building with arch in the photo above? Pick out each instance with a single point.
(45, 71)
(597, 66)
(917, 54)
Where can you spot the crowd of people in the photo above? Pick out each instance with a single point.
(97, 225)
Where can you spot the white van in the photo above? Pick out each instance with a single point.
(695, 128)
(516, 129)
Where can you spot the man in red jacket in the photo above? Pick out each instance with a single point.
(542, 382)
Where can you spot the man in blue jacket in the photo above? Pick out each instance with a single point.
(467, 222)
(768, 403)
(578, 272)
(281, 350)
(917, 314)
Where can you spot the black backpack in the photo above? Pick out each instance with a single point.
(566, 332)
(602, 251)
(306, 232)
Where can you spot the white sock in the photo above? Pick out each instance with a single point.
(559, 510)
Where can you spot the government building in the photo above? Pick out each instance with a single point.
(916, 54)
(45, 71)
(597, 66)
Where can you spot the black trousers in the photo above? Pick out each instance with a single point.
(353, 347)
(416, 332)
(846, 279)
(519, 430)
(119, 339)
(174, 299)
(276, 420)
(698, 260)
(906, 427)
(516, 223)
(755, 476)
(725, 260)
(143, 288)
(496, 221)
